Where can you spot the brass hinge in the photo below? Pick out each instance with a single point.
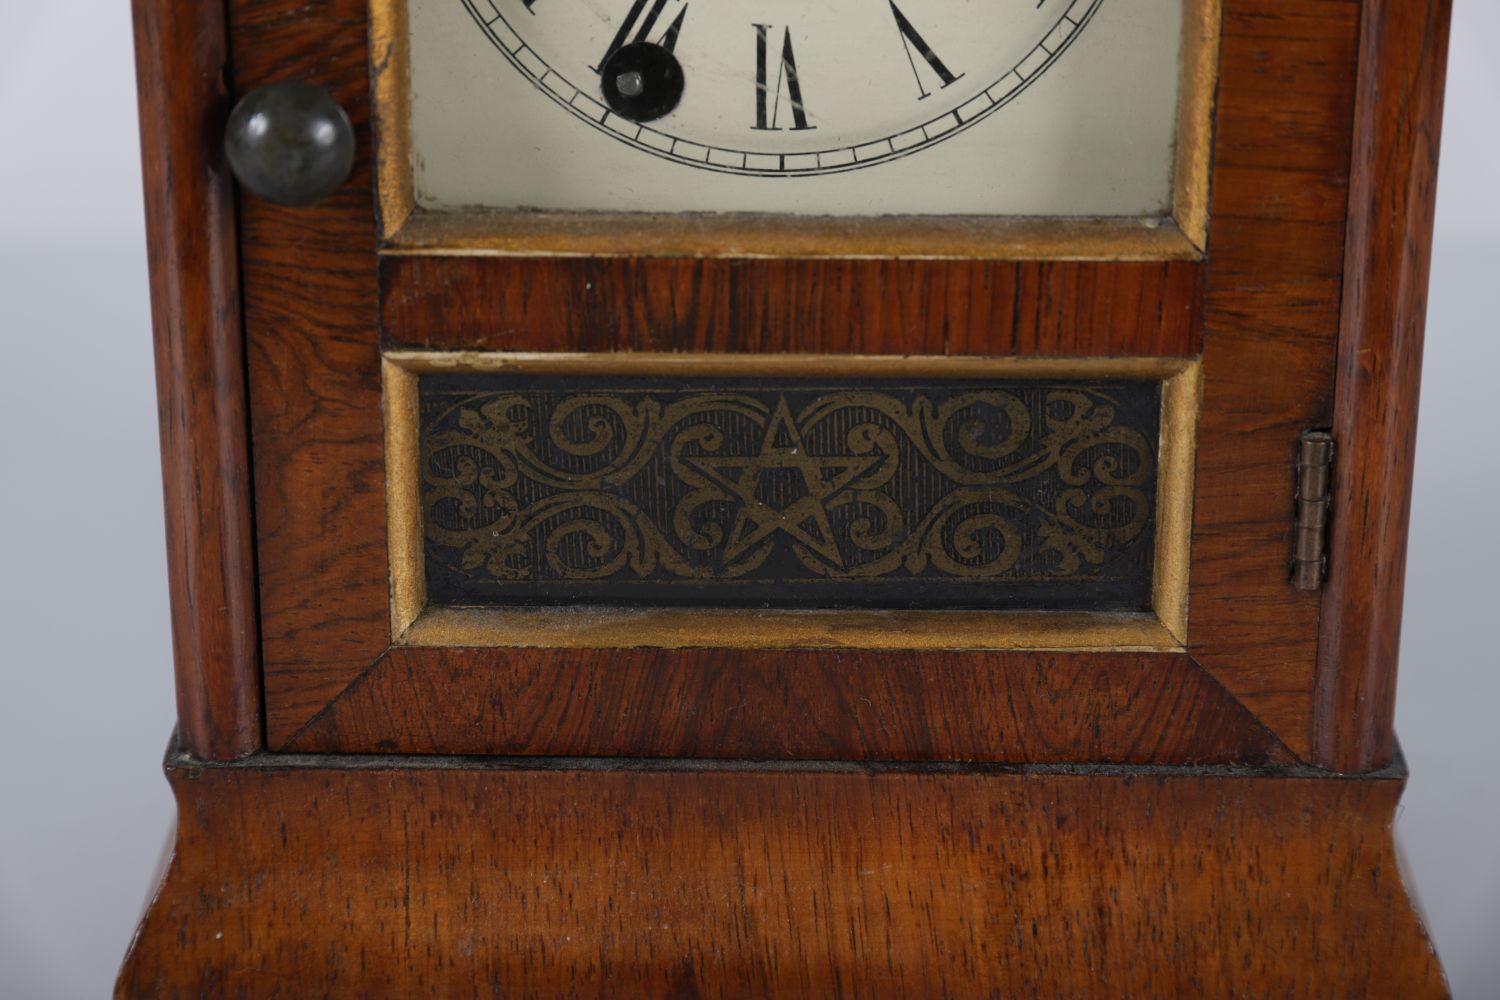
(1314, 498)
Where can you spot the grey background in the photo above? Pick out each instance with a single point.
(82, 581)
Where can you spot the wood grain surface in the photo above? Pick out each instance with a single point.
(314, 370)
(1124, 708)
(200, 375)
(1403, 57)
(1281, 160)
(386, 878)
(1060, 308)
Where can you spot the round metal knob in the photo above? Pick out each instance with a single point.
(290, 143)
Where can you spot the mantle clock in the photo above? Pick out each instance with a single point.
(870, 498)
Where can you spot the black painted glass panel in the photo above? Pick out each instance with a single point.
(784, 492)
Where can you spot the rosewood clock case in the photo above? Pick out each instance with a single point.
(1213, 692)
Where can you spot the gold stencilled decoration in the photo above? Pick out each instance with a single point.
(532, 487)
(423, 618)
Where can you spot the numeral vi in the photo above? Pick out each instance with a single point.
(767, 93)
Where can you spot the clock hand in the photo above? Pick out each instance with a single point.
(641, 35)
(642, 80)
(669, 40)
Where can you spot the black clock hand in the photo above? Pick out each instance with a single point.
(645, 29)
(642, 80)
(669, 39)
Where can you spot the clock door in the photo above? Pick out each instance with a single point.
(740, 381)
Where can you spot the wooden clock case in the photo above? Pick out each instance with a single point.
(1200, 806)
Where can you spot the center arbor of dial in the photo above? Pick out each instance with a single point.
(642, 81)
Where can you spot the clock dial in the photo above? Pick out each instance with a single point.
(1062, 108)
(781, 87)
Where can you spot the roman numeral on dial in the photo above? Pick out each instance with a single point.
(770, 84)
(915, 45)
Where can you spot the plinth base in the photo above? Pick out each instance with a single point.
(438, 877)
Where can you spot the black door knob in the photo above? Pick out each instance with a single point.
(290, 143)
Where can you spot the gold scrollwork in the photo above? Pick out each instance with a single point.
(854, 484)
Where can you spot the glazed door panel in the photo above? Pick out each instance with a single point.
(1213, 660)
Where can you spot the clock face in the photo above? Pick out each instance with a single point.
(781, 87)
(842, 107)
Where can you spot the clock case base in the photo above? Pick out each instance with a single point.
(412, 876)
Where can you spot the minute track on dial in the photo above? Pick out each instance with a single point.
(777, 89)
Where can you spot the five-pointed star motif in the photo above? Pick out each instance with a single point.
(804, 516)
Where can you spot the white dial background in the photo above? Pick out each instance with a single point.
(1067, 108)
